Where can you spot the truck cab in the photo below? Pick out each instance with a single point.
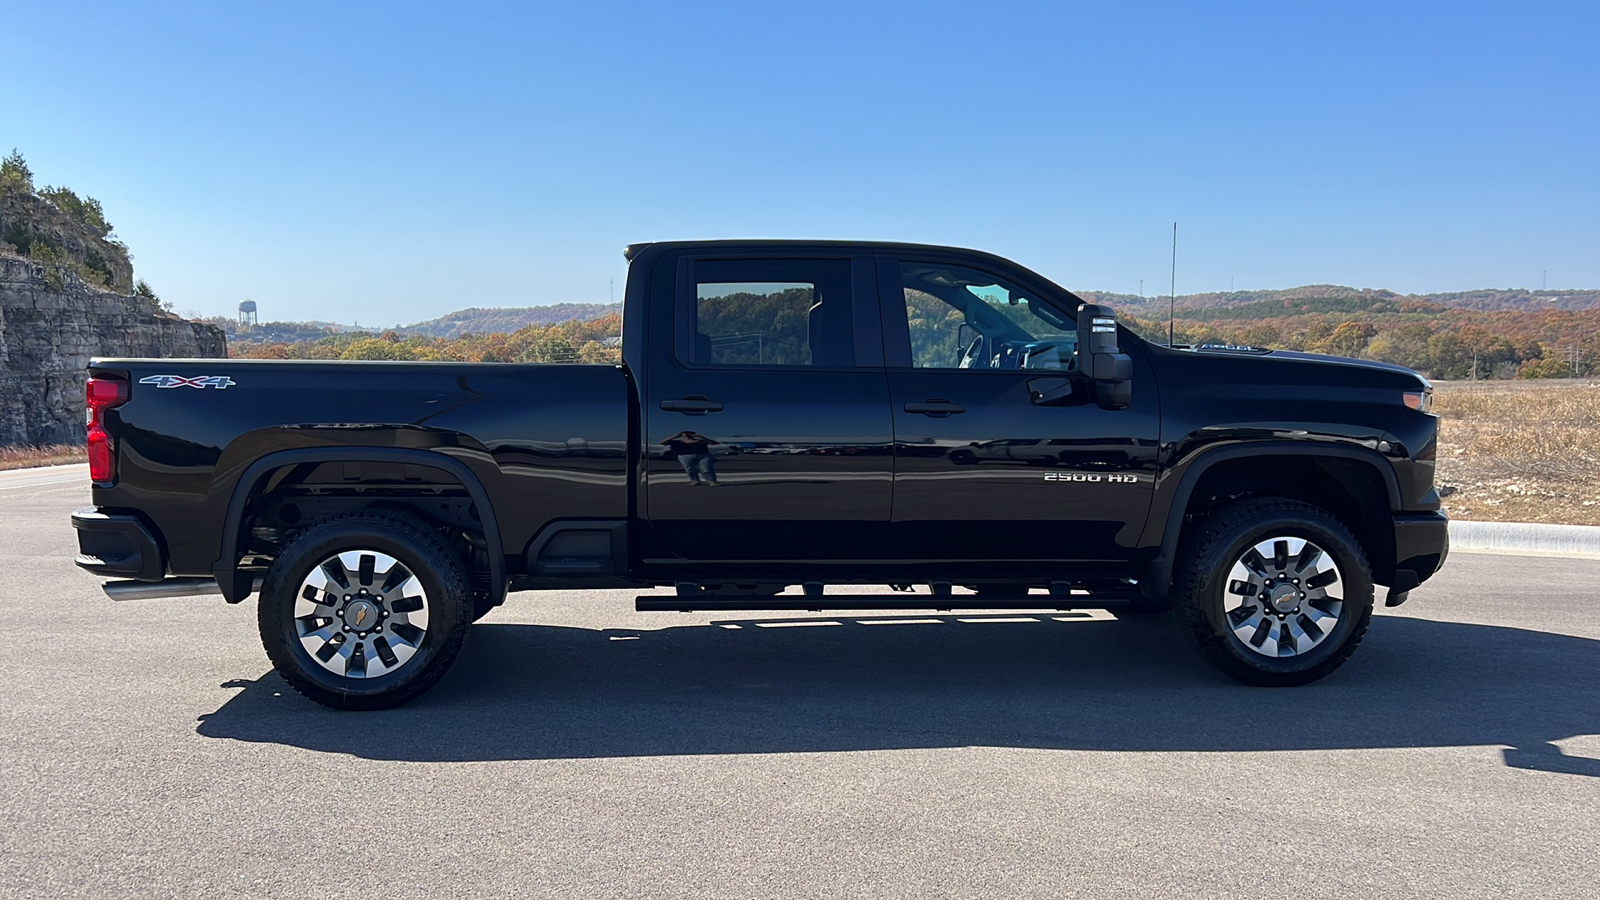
(842, 389)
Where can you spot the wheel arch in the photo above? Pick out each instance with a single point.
(1360, 489)
(236, 584)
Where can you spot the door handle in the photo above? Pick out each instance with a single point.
(936, 408)
(693, 406)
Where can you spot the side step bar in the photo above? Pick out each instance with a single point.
(156, 590)
(167, 587)
(667, 603)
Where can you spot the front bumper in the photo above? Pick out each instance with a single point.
(1421, 543)
(117, 544)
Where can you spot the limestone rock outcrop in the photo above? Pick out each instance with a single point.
(26, 217)
(48, 335)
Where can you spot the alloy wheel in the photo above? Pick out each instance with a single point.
(361, 614)
(1284, 596)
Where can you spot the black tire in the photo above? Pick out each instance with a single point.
(433, 565)
(1201, 583)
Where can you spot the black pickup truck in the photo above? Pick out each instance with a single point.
(788, 417)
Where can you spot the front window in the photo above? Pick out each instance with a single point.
(962, 318)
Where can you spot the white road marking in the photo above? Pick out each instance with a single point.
(14, 479)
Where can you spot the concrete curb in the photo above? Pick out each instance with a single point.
(1526, 539)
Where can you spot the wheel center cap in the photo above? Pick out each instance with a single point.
(361, 615)
(1284, 597)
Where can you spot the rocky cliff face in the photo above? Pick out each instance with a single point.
(27, 219)
(48, 334)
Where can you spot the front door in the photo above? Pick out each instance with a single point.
(768, 435)
(982, 472)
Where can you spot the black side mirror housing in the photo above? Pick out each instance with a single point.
(1100, 357)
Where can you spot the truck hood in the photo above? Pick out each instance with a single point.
(1309, 358)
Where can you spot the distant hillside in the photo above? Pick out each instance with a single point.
(1531, 301)
(1469, 334)
(1231, 306)
(489, 321)
(1332, 298)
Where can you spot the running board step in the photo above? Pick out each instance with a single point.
(160, 590)
(669, 603)
(165, 588)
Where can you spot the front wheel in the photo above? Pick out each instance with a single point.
(1274, 592)
(365, 611)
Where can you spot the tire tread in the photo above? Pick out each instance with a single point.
(457, 589)
(1199, 554)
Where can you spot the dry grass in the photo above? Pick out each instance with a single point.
(50, 455)
(1520, 451)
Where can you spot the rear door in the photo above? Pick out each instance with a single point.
(768, 435)
(983, 473)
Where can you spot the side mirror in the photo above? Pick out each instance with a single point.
(1101, 358)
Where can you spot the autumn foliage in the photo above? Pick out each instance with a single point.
(1443, 342)
(592, 341)
(1440, 342)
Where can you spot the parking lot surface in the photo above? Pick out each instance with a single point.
(581, 749)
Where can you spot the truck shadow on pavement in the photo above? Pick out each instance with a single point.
(1048, 681)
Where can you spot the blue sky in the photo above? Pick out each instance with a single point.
(387, 163)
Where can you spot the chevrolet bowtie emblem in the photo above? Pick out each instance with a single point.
(361, 616)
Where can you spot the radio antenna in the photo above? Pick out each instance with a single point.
(1172, 298)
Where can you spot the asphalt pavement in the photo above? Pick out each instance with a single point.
(580, 749)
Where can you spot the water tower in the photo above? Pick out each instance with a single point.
(247, 314)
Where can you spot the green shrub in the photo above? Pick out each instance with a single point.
(85, 211)
(50, 261)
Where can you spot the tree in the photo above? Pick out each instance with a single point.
(552, 347)
(1547, 367)
(1448, 357)
(87, 211)
(1349, 339)
(1260, 336)
(375, 348)
(141, 288)
(1405, 345)
(15, 174)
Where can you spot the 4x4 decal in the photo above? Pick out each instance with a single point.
(220, 382)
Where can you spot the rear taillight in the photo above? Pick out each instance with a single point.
(100, 395)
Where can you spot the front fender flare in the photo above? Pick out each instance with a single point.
(1158, 575)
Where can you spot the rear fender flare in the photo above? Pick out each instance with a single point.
(236, 585)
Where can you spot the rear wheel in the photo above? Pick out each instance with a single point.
(365, 611)
(1274, 592)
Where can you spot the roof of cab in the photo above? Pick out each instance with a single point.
(632, 251)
